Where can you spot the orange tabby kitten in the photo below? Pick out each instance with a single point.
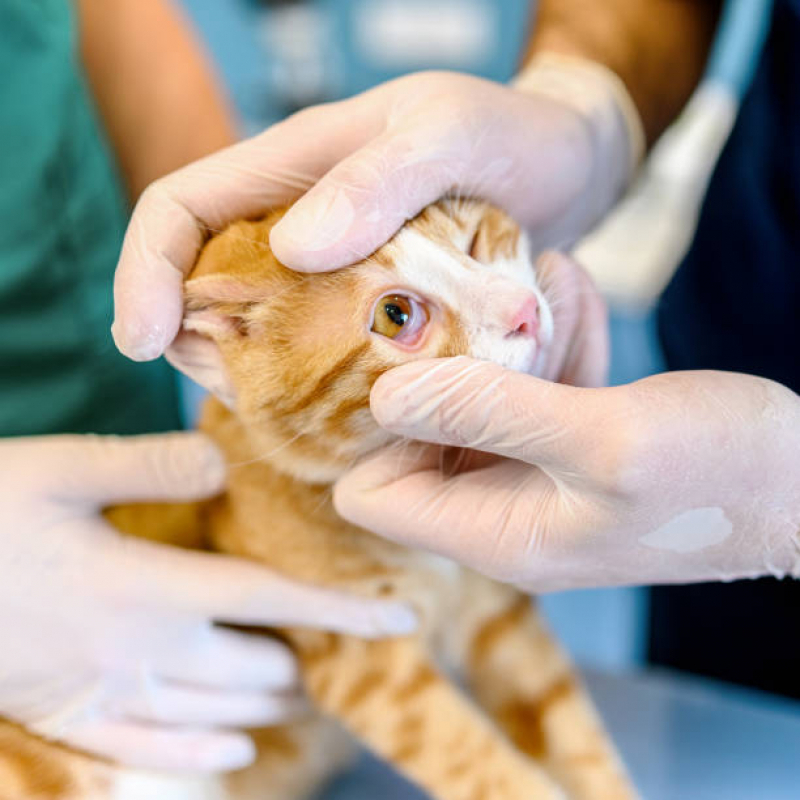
(292, 359)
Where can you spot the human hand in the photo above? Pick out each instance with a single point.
(680, 477)
(580, 349)
(554, 152)
(107, 640)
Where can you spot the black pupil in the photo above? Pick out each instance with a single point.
(396, 314)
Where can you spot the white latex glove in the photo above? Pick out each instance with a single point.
(107, 641)
(681, 477)
(555, 150)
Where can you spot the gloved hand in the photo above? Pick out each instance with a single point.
(680, 477)
(554, 150)
(107, 641)
(579, 352)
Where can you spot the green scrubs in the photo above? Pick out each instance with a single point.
(62, 217)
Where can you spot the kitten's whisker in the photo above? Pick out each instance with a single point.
(270, 453)
(402, 445)
(327, 494)
(557, 301)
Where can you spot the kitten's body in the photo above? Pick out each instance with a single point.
(302, 416)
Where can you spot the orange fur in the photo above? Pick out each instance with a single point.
(300, 361)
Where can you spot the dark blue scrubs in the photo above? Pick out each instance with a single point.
(734, 304)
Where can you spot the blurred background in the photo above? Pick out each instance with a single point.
(277, 56)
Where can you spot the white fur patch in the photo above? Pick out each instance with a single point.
(691, 531)
(482, 296)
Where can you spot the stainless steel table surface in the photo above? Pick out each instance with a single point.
(682, 738)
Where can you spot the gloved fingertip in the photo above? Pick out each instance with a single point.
(316, 223)
(211, 467)
(135, 345)
(191, 465)
(227, 753)
(383, 400)
(281, 673)
(393, 619)
(401, 392)
(133, 348)
(378, 620)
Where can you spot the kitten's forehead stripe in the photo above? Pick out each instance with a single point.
(344, 412)
(382, 258)
(497, 237)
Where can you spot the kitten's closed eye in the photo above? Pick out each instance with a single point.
(400, 318)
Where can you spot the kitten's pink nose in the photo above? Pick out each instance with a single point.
(526, 321)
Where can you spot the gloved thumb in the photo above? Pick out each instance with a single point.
(482, 406)
(100, 470)
(363, 201)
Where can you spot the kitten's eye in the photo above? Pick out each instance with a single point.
(400, 318)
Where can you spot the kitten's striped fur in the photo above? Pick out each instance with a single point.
(300, 362)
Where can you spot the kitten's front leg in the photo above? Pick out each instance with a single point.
(520, 675)
(388, 694)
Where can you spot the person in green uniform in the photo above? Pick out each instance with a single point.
(107, 643)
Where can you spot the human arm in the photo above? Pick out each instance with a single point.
(677, 478)
(555, 161)
(657, 48)
(109, 642)
(158, 97)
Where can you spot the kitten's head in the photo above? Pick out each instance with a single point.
(295, 355)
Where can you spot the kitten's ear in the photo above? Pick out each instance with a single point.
(199, 357)
(216, 308)
(217, 305)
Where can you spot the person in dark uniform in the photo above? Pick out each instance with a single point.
(734, 304)
(691, 476)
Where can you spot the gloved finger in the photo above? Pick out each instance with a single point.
(144, 746)
(366, 198)
(580, 351)
(176, 704)
(101, 470)
(479, 518)
(479, 405)
(175, 214)
(228, 589)
(228, 659)
(439, 139)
